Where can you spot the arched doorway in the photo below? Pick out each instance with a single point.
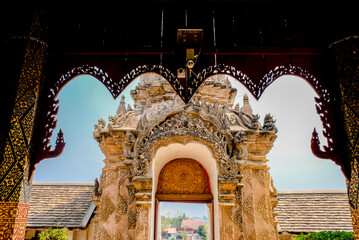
(184, 180)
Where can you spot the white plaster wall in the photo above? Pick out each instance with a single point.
(195, 151)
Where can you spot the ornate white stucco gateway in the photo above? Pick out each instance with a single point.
(228, 142)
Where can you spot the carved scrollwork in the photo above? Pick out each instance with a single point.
(263, 208)
(183, 176)
(331, 151)
(228, 70)
(131, 219)
(248, 207)
(131, 193)
(262, 176)
(182, 125)
(103, 234)
(228, 167)
(289, 69)
(107, 178)
(107, 207)
(121, 208)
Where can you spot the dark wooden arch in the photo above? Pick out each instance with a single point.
(115, 87)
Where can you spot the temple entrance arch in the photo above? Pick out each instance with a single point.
(201, 157)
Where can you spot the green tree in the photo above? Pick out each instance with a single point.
(177, 220)
(166, 220)
(202, 231)
(54, 234)
(326, 235)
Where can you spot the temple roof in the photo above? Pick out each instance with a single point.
(60, 205)
(194, 224)
(313, 211)
(70, 205)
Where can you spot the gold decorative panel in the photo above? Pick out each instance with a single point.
(183, 176)
(13, 218)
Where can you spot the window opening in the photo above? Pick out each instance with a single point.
(184, 220)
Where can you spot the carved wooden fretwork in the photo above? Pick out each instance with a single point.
(183, 176)
(116, 86)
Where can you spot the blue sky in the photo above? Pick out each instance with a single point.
(190, 209)
(290, 99)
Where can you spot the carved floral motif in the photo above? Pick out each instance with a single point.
(183, 176)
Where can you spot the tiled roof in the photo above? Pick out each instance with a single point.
(313, 211)
(70, 205)
(60, 204)
(194, 224)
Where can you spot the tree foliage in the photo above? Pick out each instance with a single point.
(53, 234)
(176, 222)
(202, 231)
(166, 220)
(326, 235)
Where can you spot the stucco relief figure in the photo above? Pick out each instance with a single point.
(234, 137)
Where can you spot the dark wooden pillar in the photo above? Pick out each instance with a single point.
(347, 58)
(14, 168)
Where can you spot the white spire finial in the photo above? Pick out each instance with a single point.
(122, 107)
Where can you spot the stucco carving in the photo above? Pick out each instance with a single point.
(107, 208)
(121, 208)
(263, 208)
(131, 194)
(103, 234)
(248, 207)
(262, 176)
(131, 221)
(235, 137)
(183, 176)
(122, 177)
(183, 127)
(108, 178)
(228, 167)
(247, 173)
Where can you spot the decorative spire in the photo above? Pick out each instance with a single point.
(236, 107)
(247, 109)
(122, 107)
(269, 123)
